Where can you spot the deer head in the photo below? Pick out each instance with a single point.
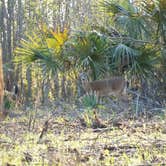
(114, 86)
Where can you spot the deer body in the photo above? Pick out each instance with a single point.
(114, 86)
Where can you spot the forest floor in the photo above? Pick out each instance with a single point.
(68, 136)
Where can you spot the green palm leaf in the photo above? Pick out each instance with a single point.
(90, 51)
(128, 19)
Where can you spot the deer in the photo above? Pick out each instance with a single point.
(115, 86)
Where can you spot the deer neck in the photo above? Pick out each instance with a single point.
(86, 85)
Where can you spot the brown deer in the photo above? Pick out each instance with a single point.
(114, 86)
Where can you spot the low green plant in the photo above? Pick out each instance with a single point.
(90, 100)
(88, 117)
(8, 102)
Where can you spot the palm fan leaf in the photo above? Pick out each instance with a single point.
(128, 19)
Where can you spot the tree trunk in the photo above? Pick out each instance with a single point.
(56, 87)
(9, 80)
(18, 36)
(63, 81)
(29, 88)
(45, 91)
(1, 83)
(3, 27)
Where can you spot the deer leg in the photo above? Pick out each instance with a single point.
(98, 97)
(123, 101)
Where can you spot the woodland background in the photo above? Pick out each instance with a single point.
(47, 118)
(129, 37)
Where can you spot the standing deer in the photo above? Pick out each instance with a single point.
(114, 86)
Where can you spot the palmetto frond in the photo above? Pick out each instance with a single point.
(144, 64)
(57, 40)
(44, 50)
(113, 7)
(127, 18)
(90, 50)
(123, 52)
(138, 61)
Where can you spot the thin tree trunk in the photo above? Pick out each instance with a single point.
(9, 74)
(29, 88)
(1, 83)
(3, 27)
(63, 81)
(19, 21)
(18, 36)
(56, 86)
(45, 91)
